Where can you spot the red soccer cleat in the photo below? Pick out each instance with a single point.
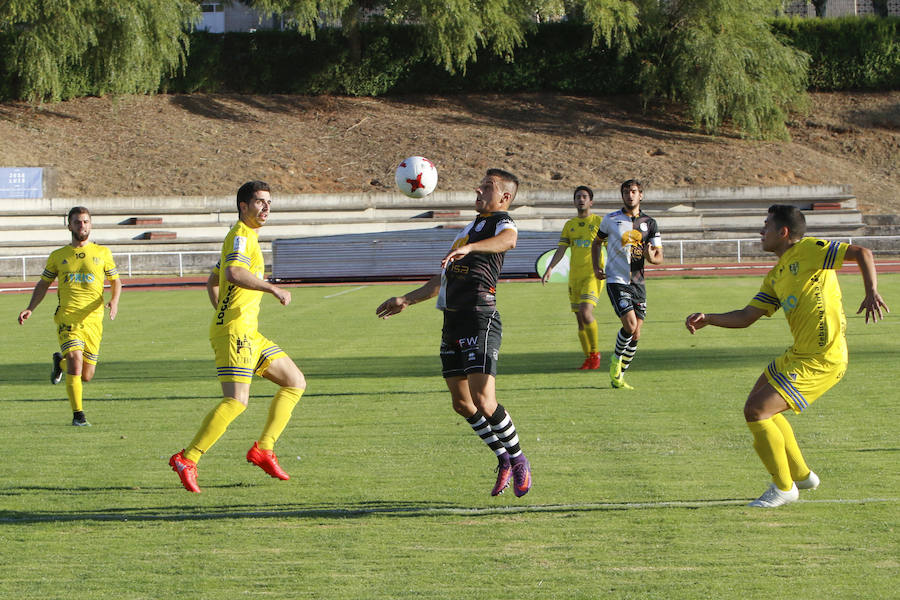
(187, 471)
(267, 461)
(591, 362)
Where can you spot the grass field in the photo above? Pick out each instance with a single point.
(637, 494)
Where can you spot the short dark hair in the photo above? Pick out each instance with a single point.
(626, 185)
(246, 191)
(788, 215)
(77, 210)
(505, 176)
(583, 188)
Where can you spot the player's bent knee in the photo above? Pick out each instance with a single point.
(463, 409)
(486, 405)
(292, 377)
(298, 381)
(755, 409)
(751, 413)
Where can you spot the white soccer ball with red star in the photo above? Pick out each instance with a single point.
(416, 176)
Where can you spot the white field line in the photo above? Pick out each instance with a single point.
(344, 292)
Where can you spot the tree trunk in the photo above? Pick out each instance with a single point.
(350, 26)
(819, 5)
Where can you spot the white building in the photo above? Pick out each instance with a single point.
(840, 8)
(219, 17)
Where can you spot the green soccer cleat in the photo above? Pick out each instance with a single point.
(616, 374)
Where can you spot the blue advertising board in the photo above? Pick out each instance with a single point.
(21, 182)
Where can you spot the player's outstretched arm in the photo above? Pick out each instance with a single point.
(40, 290)
(554, 260)
(736, 319)
(503, 241)
(113, 304)
(398, 304)
(873, 304)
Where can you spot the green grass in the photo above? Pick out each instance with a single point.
(637, 494)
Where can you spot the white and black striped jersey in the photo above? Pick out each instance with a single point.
(626, 241)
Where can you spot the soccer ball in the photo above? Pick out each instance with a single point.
(416, 176)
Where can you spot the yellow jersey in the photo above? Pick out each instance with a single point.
(577, 234)
(804, 283)
(238, 308)
(81, 272)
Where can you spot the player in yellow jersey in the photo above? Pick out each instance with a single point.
(804, 284)
(584, 288)
(235, 289)
(82, 267)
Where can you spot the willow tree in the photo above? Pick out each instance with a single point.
(454, 30)
(721, 60)
(718, 58)
(56, 49)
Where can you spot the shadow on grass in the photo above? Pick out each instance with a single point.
(369, 508)
(387, 367)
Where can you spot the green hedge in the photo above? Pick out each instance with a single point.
(556, 57)
(847, 53)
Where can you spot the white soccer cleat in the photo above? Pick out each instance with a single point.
(810, 483)
(774, 497)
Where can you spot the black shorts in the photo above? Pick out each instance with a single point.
(470, 342)
(625, 297)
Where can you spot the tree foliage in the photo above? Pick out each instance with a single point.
(455, 29)
(717, 57)
(721, 60)
(62, 48)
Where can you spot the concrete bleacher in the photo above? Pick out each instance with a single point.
(681, 212)
(175, 224)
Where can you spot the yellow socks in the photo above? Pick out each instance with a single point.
(213, 426)
(73, 391)
(279, 414)
(769, 443)
(585, 344)
(799, 470)
(592, 342)
(218, 419)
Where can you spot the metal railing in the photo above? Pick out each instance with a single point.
(183, 262)
(199, 262)
(751, 247)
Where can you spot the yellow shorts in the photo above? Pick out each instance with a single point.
(584, 290)
(240, 355)
(84, 336)
(800, 381)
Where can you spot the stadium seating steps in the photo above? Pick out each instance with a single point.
(199, 223)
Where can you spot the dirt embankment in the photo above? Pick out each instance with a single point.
(208, 144)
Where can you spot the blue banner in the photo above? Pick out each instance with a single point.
(21, 182)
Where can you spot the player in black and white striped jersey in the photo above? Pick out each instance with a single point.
(470, 341)
(632, 238)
